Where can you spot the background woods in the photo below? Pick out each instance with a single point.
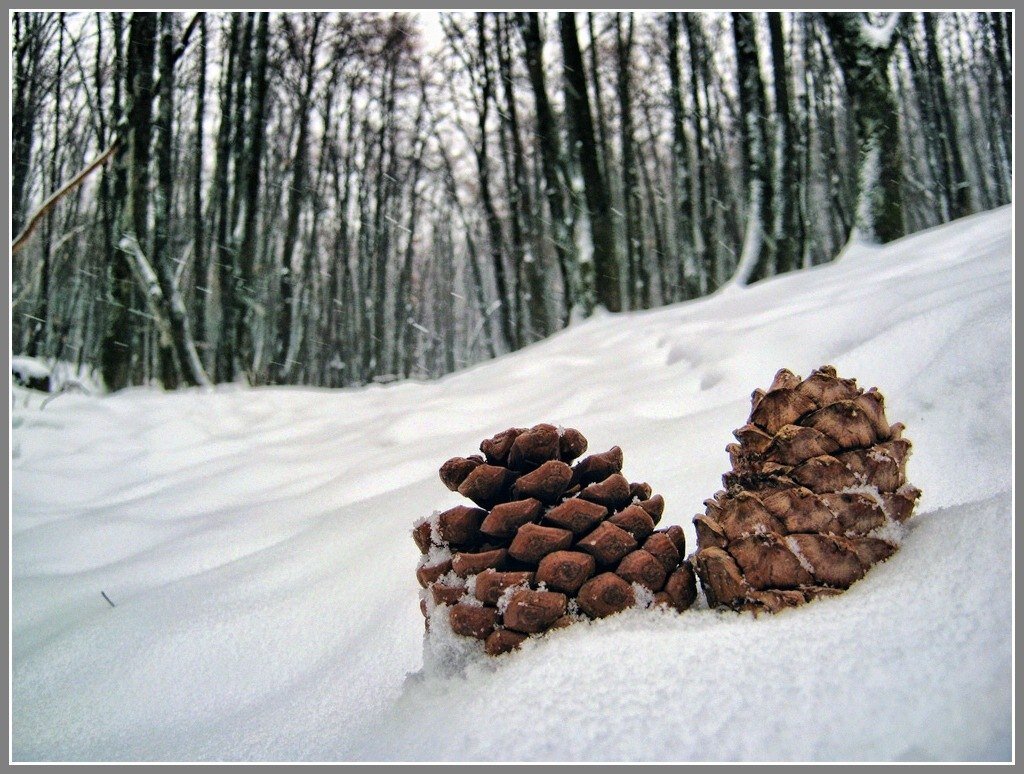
(338, 198)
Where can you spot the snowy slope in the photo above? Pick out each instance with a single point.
(256, 545)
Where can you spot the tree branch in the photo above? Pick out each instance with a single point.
(71, 185)
(77, 180)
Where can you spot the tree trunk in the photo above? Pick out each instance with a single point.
(41, 322)
(245, 255)
(787, 226)
(164, 190)
(27, 54)
(472, 258)
(381, 247)
(551, 161)
(402, 353)
(703, 248)
(863, 57)
(997, 47)
(340, 313)
(139, 77)
(1002, 25)
(232, 142)
(202, 270)
(684, 209)
(604, 264)
(669, 277)
(495, 239)
(221, 197)
(639, 291)
(115, 357)
(603, 156)
(524, 239)
(757, 258)
(297, 193)
(935, 159)
(959, 190)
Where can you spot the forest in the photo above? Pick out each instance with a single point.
(339, 198)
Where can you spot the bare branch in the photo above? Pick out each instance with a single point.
(71, 185)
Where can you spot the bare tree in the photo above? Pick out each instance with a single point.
(603, 275)
(551, 163)
(757, 259)
(435, 204)
(787, 225)
(288, 328)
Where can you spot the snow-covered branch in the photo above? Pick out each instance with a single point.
(170, 313)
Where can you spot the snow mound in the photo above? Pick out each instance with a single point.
(255, 548)
(25, 368)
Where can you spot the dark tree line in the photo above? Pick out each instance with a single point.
(340, 198)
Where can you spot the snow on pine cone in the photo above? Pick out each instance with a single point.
(815, 496)
(548, 542)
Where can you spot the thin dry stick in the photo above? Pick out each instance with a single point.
(78, 179)
(107, 598)
(70, 186)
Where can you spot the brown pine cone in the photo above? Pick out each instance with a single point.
(546, 542)
(818, 482)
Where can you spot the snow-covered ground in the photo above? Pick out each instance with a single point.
(256, 544)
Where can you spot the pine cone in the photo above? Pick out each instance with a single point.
(817, 484)
(548, 542)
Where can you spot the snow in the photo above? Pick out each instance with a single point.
(64, 376)
(794, 546)
(29, 368)
(256, 544)
(879, 37)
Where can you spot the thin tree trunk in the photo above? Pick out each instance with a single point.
(225, 350)
(639, 291)
(959, 191)
(684, 208)
(42, 315)
(996, 174)
(495, 239)
(605, 266)
(551, 161)
(27, 55)
(703, 248)
(164, 191)
(341, 313)
(787, 226)
(202, 266)
(1003, 27)
(473, 257)
(297, 192)
(402, 354)
(521, 204)
(757, 257)
(246, 251)
(936, 159)
(603, 156)
(115, 357)
(668, 276)
(139, 78)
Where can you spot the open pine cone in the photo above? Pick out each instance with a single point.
(548, 542)
(818, 481)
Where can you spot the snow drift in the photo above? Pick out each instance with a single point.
(256, 547)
